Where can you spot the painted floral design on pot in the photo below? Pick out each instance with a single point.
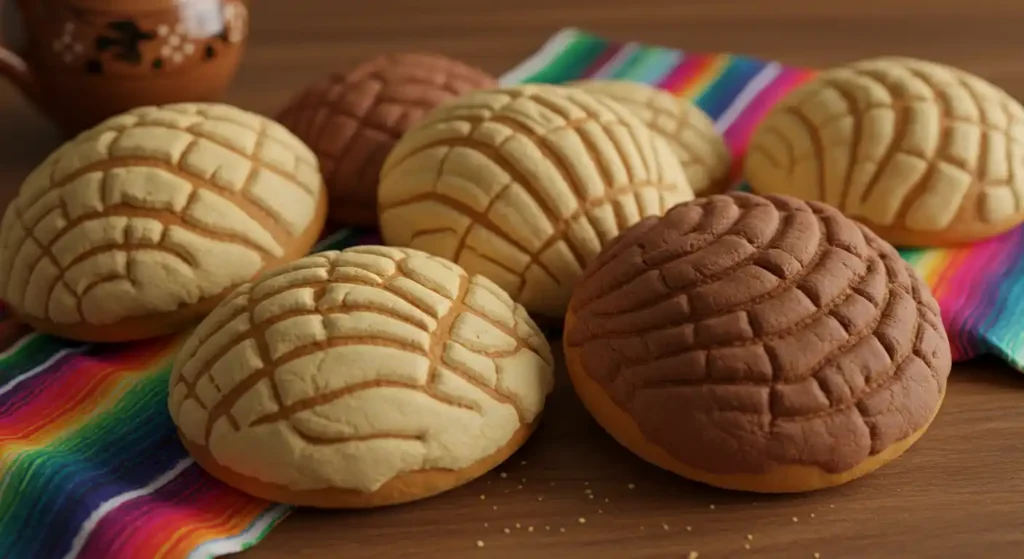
(85, 60)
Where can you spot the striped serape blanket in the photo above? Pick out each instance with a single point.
(91, 466)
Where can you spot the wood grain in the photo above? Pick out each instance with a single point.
(953, 494)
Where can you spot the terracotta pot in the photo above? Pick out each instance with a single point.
(81, 61)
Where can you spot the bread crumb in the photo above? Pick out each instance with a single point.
(503, 475)
(552, 484)
(599, 511)
(812, 515)
(495, 507)
(693, 555)
(519, 487)
(518, 525)
(588, 491)
(631, 486)
(506, 530)
(746, 546)
(529, 528)
(523, 480)
(831, 506)
(523, 463)
(540, 498)
(750, 537)
(482, 497)
(561, 529)
(712, 507)
(586, 483)
(795, 519)
(689, 528)
(486, 525)
(479, 543)
(665, 526)
(547, 527)
(590, 496)
(606, 499)
(817, 555)
(581, 520)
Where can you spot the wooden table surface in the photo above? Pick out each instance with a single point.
(957, 492)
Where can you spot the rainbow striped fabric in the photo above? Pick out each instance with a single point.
(91, 466)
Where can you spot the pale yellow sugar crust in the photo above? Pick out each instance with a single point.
(923, 153)
(344, 370)
(139, 224)
(689, 130)
(526, 185)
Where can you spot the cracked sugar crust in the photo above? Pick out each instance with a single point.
(690, 131)
(154, 210)
(742, 332)
(346, 369)
(900, 144)
(352, 120)
(525, 185)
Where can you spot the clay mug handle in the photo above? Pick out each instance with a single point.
(14, 68)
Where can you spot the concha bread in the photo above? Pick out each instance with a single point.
(758, 344)
(360, 378)
(525, 185)
(139, 226)
(688, 129)
(923, 153)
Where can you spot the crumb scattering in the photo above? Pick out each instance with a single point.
(588, 491)
(795, 519)
(750, 537)
(518, 525)
(746, 546)
(529, 528)
(547, 527)
(479, 543)
(581, 520)
(506, 530)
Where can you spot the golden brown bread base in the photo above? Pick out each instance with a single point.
(788, 478)
(162, 324)
(956, 234)
(404, 488)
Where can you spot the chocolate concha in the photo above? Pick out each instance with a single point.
(365, 377)
(689, 130)
(525, 185)
(923, 153)
(757, 343)
(139, 226)
(353, 119)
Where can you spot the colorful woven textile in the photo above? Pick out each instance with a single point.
(90, 465)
